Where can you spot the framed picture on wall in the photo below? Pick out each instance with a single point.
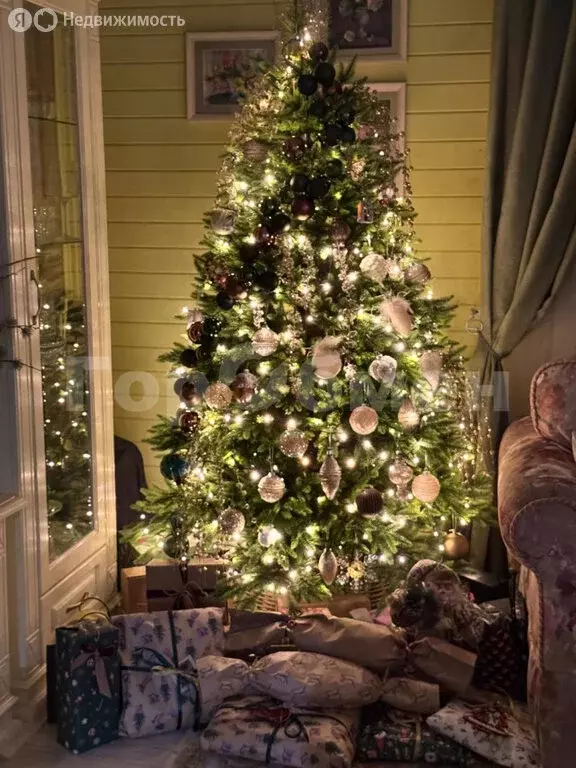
(370, 28)
(218, 67)
(393, 96)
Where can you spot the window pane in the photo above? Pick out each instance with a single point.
(53, 125)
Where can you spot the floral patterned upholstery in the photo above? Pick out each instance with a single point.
(537, 511)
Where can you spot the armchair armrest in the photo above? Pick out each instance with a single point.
(537, 503)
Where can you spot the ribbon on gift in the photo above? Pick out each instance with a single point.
(448, 665)
(186, 594)
(280, 718)
(151, 660)
(93, 656)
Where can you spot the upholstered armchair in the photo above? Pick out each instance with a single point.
(537, 510)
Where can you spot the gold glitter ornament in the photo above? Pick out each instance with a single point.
(356, 570)
(255, 151)
(426, 487)
(408, 416)
(328, 566)
(218, 395)
(330, 476)
(326, 358)
(231, 522)
(363, 420)
(374, 266)
(357, 168)
(400, 473)
(293, 443)
(271, 488)
(456, 545)
(383, 369)
(222, 221)
(418, 273)
(265, 342)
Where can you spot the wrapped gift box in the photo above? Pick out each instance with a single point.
(159, 678)
(133, 589)
(87, 685)
(171, 586)
(389, 735)
(264, 730)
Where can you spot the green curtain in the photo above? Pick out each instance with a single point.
(529, 237)
(529, 226)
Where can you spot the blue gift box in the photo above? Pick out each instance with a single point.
(87, 685)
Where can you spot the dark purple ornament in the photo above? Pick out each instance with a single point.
(307, 85)
(319, 52)
(295, 147)
(319, 187)
(279, 223)
(303, 208)
(195, 331)
(325, 74)
(225, 301)
(188, 393)
(299, 183)
(188, 357)
(189, 421)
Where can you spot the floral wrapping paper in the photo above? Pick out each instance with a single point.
(303, 679)
(87, 685)
(264, 730)
(490, 730)
(159, 680)
(219, 679)
(388, 735)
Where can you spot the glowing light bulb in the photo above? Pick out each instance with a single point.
(310, 551)
(268, 418)
(384, 455)
(291, 424)
(342, 436)
(400, 346)
(238, 419)
(292, 575)
(255, 475)
(390, 493)
(305, 461)
(350, 462)
(351, 508)
(402, 559)
(367, 445)
(326, 287)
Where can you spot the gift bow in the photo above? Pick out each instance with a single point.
(185, 596)
(450, 666)
(96, 654)
(150, 660)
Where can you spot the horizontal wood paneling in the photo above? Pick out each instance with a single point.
(161, 172)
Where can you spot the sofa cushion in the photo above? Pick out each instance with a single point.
(553, 401)
(313, 680)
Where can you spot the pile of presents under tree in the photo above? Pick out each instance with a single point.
(432, 677)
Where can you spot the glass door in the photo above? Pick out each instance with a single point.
(53, 124)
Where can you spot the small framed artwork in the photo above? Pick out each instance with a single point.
(393, 96)
(370, 28)
(218, 67)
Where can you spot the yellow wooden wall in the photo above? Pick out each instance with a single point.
(161, 169)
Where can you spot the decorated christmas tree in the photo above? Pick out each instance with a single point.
(323, 438)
